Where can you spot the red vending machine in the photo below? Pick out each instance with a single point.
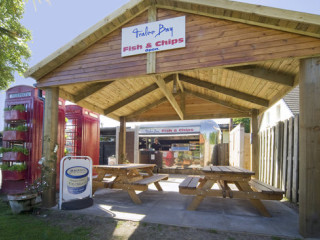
(22, 137)
(82, 133)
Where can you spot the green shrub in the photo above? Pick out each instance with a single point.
(16, 167)
(15, 149)
(20, 108)
(18, 128)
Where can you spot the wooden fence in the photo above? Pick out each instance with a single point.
(279, 157)
(220, 154)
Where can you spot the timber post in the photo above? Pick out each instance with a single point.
(151, 56)
(254, 150)
(122, 141)
(50, 133)
(309, 148)
(230, 125)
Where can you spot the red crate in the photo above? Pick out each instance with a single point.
(14, 156)
(13, 175)
(14, 136)
(15, 115)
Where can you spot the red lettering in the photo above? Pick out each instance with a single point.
(132, 48)
(169, 42)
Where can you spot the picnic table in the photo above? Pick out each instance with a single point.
(247, 188)
(128, 177)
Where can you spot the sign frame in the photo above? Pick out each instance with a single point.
(154, 36)
(63, 180)
(170, 130)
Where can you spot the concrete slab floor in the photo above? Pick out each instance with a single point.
(170, 208)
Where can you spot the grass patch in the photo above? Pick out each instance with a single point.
(213, 231)
(28, 227)
(276, 238)
(160, 228)
(120, 223)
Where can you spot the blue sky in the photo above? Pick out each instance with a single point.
(53, 25)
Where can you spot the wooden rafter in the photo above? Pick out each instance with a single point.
(179, 82)
(162, 85)
(265, 74)
(183, 102)
(70, 97)
(189, 117)
(151, 56)
(149, 106)
(224, 90)
(89, 91)
(232, 10)
(134, 97)
(107, 25)
(219, 101)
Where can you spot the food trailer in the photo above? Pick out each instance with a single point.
(184, 144)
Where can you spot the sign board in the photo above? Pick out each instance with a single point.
(169, 130)
(20, 95)
(154, 36)
(75, 179)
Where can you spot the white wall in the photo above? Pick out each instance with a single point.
(278, 112)
(225, 138)
(236, 147)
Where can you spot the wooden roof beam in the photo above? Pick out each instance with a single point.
(150, 106)
(115, 20)
(224, 9)
(70, 97)
(219, 101)
(224, 90)
(179, 82)
(135, 96)
(162, 85)
(90, 90)
(265, 74)
(189, 117)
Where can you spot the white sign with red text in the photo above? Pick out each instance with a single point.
(154, 36)
(170, 130)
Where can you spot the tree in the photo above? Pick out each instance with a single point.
(14, 50)
(245, 122)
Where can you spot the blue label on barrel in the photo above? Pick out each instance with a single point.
(77, 179)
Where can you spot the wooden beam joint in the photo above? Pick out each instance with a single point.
(224, 90)
(265, 74)
(162, 85)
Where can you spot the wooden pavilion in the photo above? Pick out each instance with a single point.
(239, 59)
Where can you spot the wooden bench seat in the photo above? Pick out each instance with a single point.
(190, 182)
(262, 187)
(189, 185)
(151, 179)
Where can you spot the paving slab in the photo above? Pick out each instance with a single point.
(170, 208)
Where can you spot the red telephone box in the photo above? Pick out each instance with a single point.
(82, 133)
(22, 137)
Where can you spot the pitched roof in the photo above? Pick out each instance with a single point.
(251, 61)
(285, 20)
(292, 100)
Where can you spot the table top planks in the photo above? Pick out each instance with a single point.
(125, 166)
(226, 170)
